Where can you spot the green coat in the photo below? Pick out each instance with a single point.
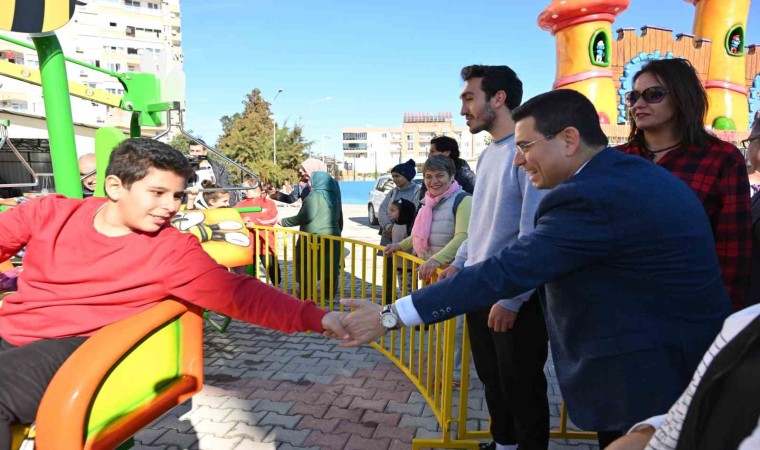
(316, 215)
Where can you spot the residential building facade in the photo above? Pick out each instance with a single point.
(370, 150)
(117, 35)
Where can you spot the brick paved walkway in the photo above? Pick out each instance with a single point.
(266, 390)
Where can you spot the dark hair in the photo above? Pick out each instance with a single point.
(132, 159)
(440, 162)
(407, 212)
(687, 96)
(210, 196)
(556, 110)
(198, 142)
(495, 79)
(446, 144)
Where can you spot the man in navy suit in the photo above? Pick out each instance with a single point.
(625, 259)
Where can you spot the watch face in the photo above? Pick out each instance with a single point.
(388, 320)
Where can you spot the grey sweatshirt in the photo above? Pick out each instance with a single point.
(504, 208)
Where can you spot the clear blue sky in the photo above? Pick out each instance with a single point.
(376, 60)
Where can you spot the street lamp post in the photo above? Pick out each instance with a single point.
(274, 129)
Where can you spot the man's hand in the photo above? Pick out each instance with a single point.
(391, 248)
(363, 324)
(501, 319)
(331, 322)
(447, 272)
(635, 440)
(427, 269)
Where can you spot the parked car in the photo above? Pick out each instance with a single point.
(376, 196)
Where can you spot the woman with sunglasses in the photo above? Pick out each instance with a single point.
(667, 108)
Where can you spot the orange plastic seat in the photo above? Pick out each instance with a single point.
(122, 378)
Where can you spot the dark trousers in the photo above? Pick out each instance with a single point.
(272, 267)
(511, 366)
(25, 373)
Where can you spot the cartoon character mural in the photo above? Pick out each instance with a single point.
(600, 47)
(221, 232)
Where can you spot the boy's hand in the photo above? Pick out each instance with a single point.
(331, 322)
(363, 323)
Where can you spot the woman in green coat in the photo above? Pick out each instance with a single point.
(320, 214)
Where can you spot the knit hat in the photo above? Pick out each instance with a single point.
(407, 169)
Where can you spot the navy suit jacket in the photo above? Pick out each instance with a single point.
(632, 292)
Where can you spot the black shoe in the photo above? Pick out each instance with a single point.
(490, 446)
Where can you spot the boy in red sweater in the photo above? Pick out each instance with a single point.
(132, 259)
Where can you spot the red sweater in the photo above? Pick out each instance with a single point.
(267, 217)
(76, 280)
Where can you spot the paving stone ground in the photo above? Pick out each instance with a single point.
(267, 390)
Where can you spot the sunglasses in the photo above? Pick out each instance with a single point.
(654, 94)
(746, 142)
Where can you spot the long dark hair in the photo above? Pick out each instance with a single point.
(687, 96)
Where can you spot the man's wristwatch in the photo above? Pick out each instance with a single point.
(389, 319)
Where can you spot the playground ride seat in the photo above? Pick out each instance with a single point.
(224, 236)
(123, 377)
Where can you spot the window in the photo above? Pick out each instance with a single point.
(153, 6)
(131, 51)
(115, 91)
(385, 135)
(113, 24)
(347, 146)
(131, 3)
(354, 136)
(114, 67)
(410, 146)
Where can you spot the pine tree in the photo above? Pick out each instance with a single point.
(247, 139)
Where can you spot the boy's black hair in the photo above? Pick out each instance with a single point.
(132, 159)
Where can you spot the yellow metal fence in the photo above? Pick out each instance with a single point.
(327, 268)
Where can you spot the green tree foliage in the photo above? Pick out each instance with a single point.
(247, 138)
(181, 142)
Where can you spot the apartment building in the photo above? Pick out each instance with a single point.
(117, 35)
(377, 149)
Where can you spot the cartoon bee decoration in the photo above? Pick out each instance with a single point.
(225, 231)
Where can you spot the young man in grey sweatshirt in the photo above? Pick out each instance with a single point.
(509, 341)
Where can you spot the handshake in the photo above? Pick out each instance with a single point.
(358, 327)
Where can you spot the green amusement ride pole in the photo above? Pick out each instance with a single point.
(55, 90)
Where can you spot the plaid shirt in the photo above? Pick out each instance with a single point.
(718, 175)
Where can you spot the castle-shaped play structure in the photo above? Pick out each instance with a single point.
(590, 61)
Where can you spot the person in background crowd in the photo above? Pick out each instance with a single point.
(219, 170)
(265, 242)
(87, 173)
(447, 146)
(402, 175)
(301, 191)
(321, 214)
